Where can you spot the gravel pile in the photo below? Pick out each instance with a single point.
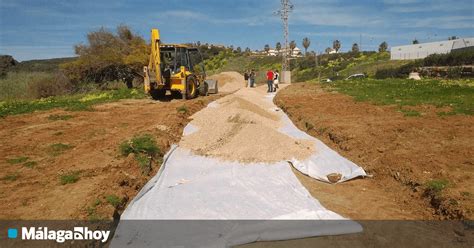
(243, 127)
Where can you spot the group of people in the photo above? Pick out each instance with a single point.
(249, 77)
(273, 79)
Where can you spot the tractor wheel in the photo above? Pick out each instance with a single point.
(157, 94)
(176, 94)
(203, 89)
(191, 87)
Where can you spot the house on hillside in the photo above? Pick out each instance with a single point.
(423, 50)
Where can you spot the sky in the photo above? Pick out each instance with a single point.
(42, 29)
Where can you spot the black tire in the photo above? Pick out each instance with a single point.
(176, 94)
(191, 87)
(204, 89)
(157, 94)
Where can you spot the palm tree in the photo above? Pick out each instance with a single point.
(292, 47)
(336, 45)
(278, 47)
(306, 43)
(383, 47)
(266, 48)
(355, 48)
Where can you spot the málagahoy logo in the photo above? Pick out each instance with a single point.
(78, 233)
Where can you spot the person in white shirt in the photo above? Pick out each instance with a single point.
(276, 79)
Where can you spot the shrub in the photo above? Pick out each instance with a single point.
(57, 84)
(454, 72)
(458, 57)
(108, 56)
(398, 72)
(437, 185)
(140, 144)
(113, 200)
(145, 149)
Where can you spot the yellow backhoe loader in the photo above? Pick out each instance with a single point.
(176, 68)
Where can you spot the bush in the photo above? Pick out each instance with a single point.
(458, 57)
(398, 72)
(454, 72)
(108, 56)
(57, 84)
(140, 144)
(145, 149)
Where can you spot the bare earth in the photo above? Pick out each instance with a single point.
(37, 192)
(402, 153)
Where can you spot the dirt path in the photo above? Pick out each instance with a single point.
(87, 143)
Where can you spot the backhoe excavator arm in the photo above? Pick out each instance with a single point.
(152, 72)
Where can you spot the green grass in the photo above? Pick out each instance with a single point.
(404, 92)
(437, 185)
(58, 148)
(182, 109)
(140, 144)
(145, 149)
(69, 177)
(30, 164)
(11, 177)
(113, 200)
(17, 160)
(92, 210)
(15, 84)
(59, 117)
(78, 102)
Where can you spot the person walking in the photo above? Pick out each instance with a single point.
(270, 81)
(276, 80)
(252, 78)
(247, 78)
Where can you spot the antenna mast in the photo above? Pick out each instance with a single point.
(286, 8)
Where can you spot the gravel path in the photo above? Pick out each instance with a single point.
(243, 126)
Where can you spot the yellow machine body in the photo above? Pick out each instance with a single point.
(171, 68)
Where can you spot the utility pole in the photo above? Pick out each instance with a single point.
(283, 12)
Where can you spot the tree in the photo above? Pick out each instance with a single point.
(383, 47)
(336, 45)
(238, 50)
(198, 43)
(415, 41)
(266, 48)
(327, 50)
(278, 47)
(306, 42)
(453, 37)
(247, 50)
(292, 47)
(108, 56)
(355, 48)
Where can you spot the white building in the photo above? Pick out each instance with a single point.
(423, 50)
(273, 52)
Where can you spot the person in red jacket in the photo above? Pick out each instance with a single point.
(270, 81)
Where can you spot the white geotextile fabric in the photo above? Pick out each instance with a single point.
(192, 187)
(324, 161)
